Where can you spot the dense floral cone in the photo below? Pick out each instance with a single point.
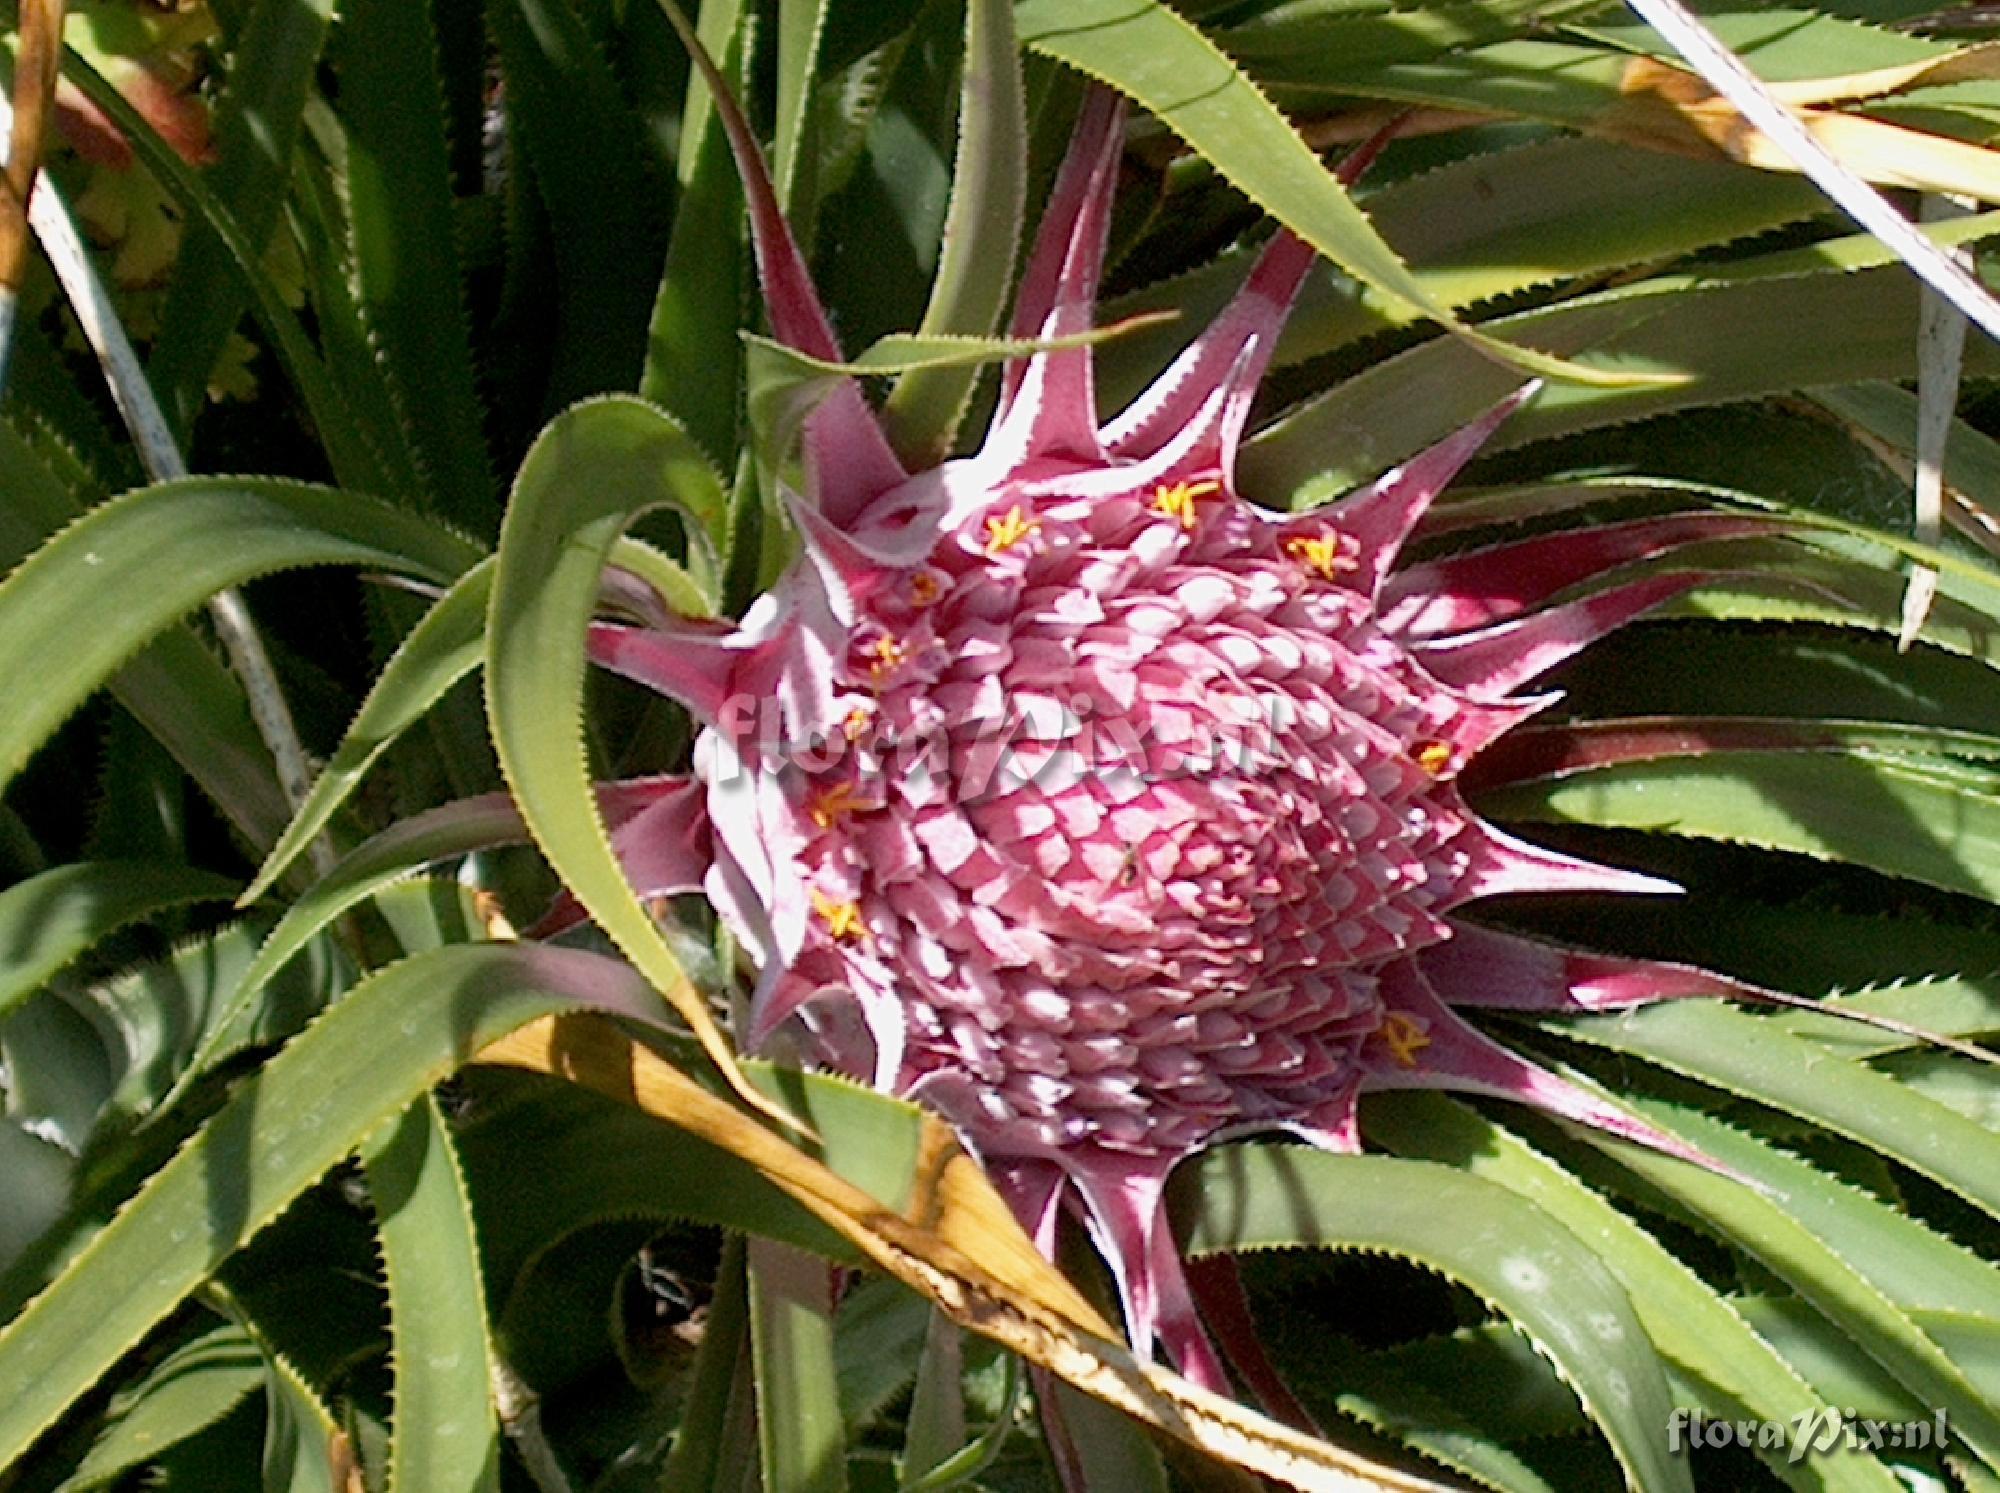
(1063, 790)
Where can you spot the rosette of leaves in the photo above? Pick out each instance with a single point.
(282, 1206)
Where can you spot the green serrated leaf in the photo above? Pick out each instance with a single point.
(693, 358)
(164, 1022)
(1954, 1007)
(1507, 1250)
(155, 550)
(982, 231)
(50, 919)
(799, 1429)
(454, 829)
(882, 1328)
(189, 1390)
(1828, 1242)
(1493, 225)
(175, 688)
(1707, 1345)
(1753, 1059)
(591, 472)
(1146, 50)
(405, 261)
(354, 1069)
(256, 129)
(1838, 309)
(794, 152)
(1890, 815)
(445, 646)
(300, 1434)
(445, 1435)
(905, 353)
(354, 463)
(440, 650)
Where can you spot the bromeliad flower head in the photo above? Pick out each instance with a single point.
(1107, 814)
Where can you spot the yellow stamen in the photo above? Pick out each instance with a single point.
(1175, 500)
(1433, 757)
(835, 804)
(856, 723)
(924, 587)
(1322, 554)
(1403, 1037)
(842, 919)
(1008, 530)
(889, 655)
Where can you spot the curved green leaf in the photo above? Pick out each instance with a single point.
(156, 550)
(445, 646)
(1954, 1007)
(592, 471)
(1923, 821)
(353, 1070)
(1831, 314)
(921, 352)
(794, 148)
(452, 829)
(445, 1437)
(1142, 48)
(1831, 1244)
(187, 1391)
(1492, 225)
(175, 687)
(1708, 1345)
(48, 920)
(1507, 1250)
(301, 1436)
(1752, 1058)
(694, 361)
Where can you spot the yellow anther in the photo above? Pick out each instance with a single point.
(925, 588)
(1433, 757)
(1175, 500)
(889, 655)
(842, 919)
(1322, 554)
(835, 804)
(856, 724)
(1006, 530)
(1403, 1037)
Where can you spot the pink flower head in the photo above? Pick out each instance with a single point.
(1063, 790)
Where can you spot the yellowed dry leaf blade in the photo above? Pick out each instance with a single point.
(958, 1243)
(1667, 108)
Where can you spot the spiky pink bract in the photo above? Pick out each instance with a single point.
(1110, 815)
